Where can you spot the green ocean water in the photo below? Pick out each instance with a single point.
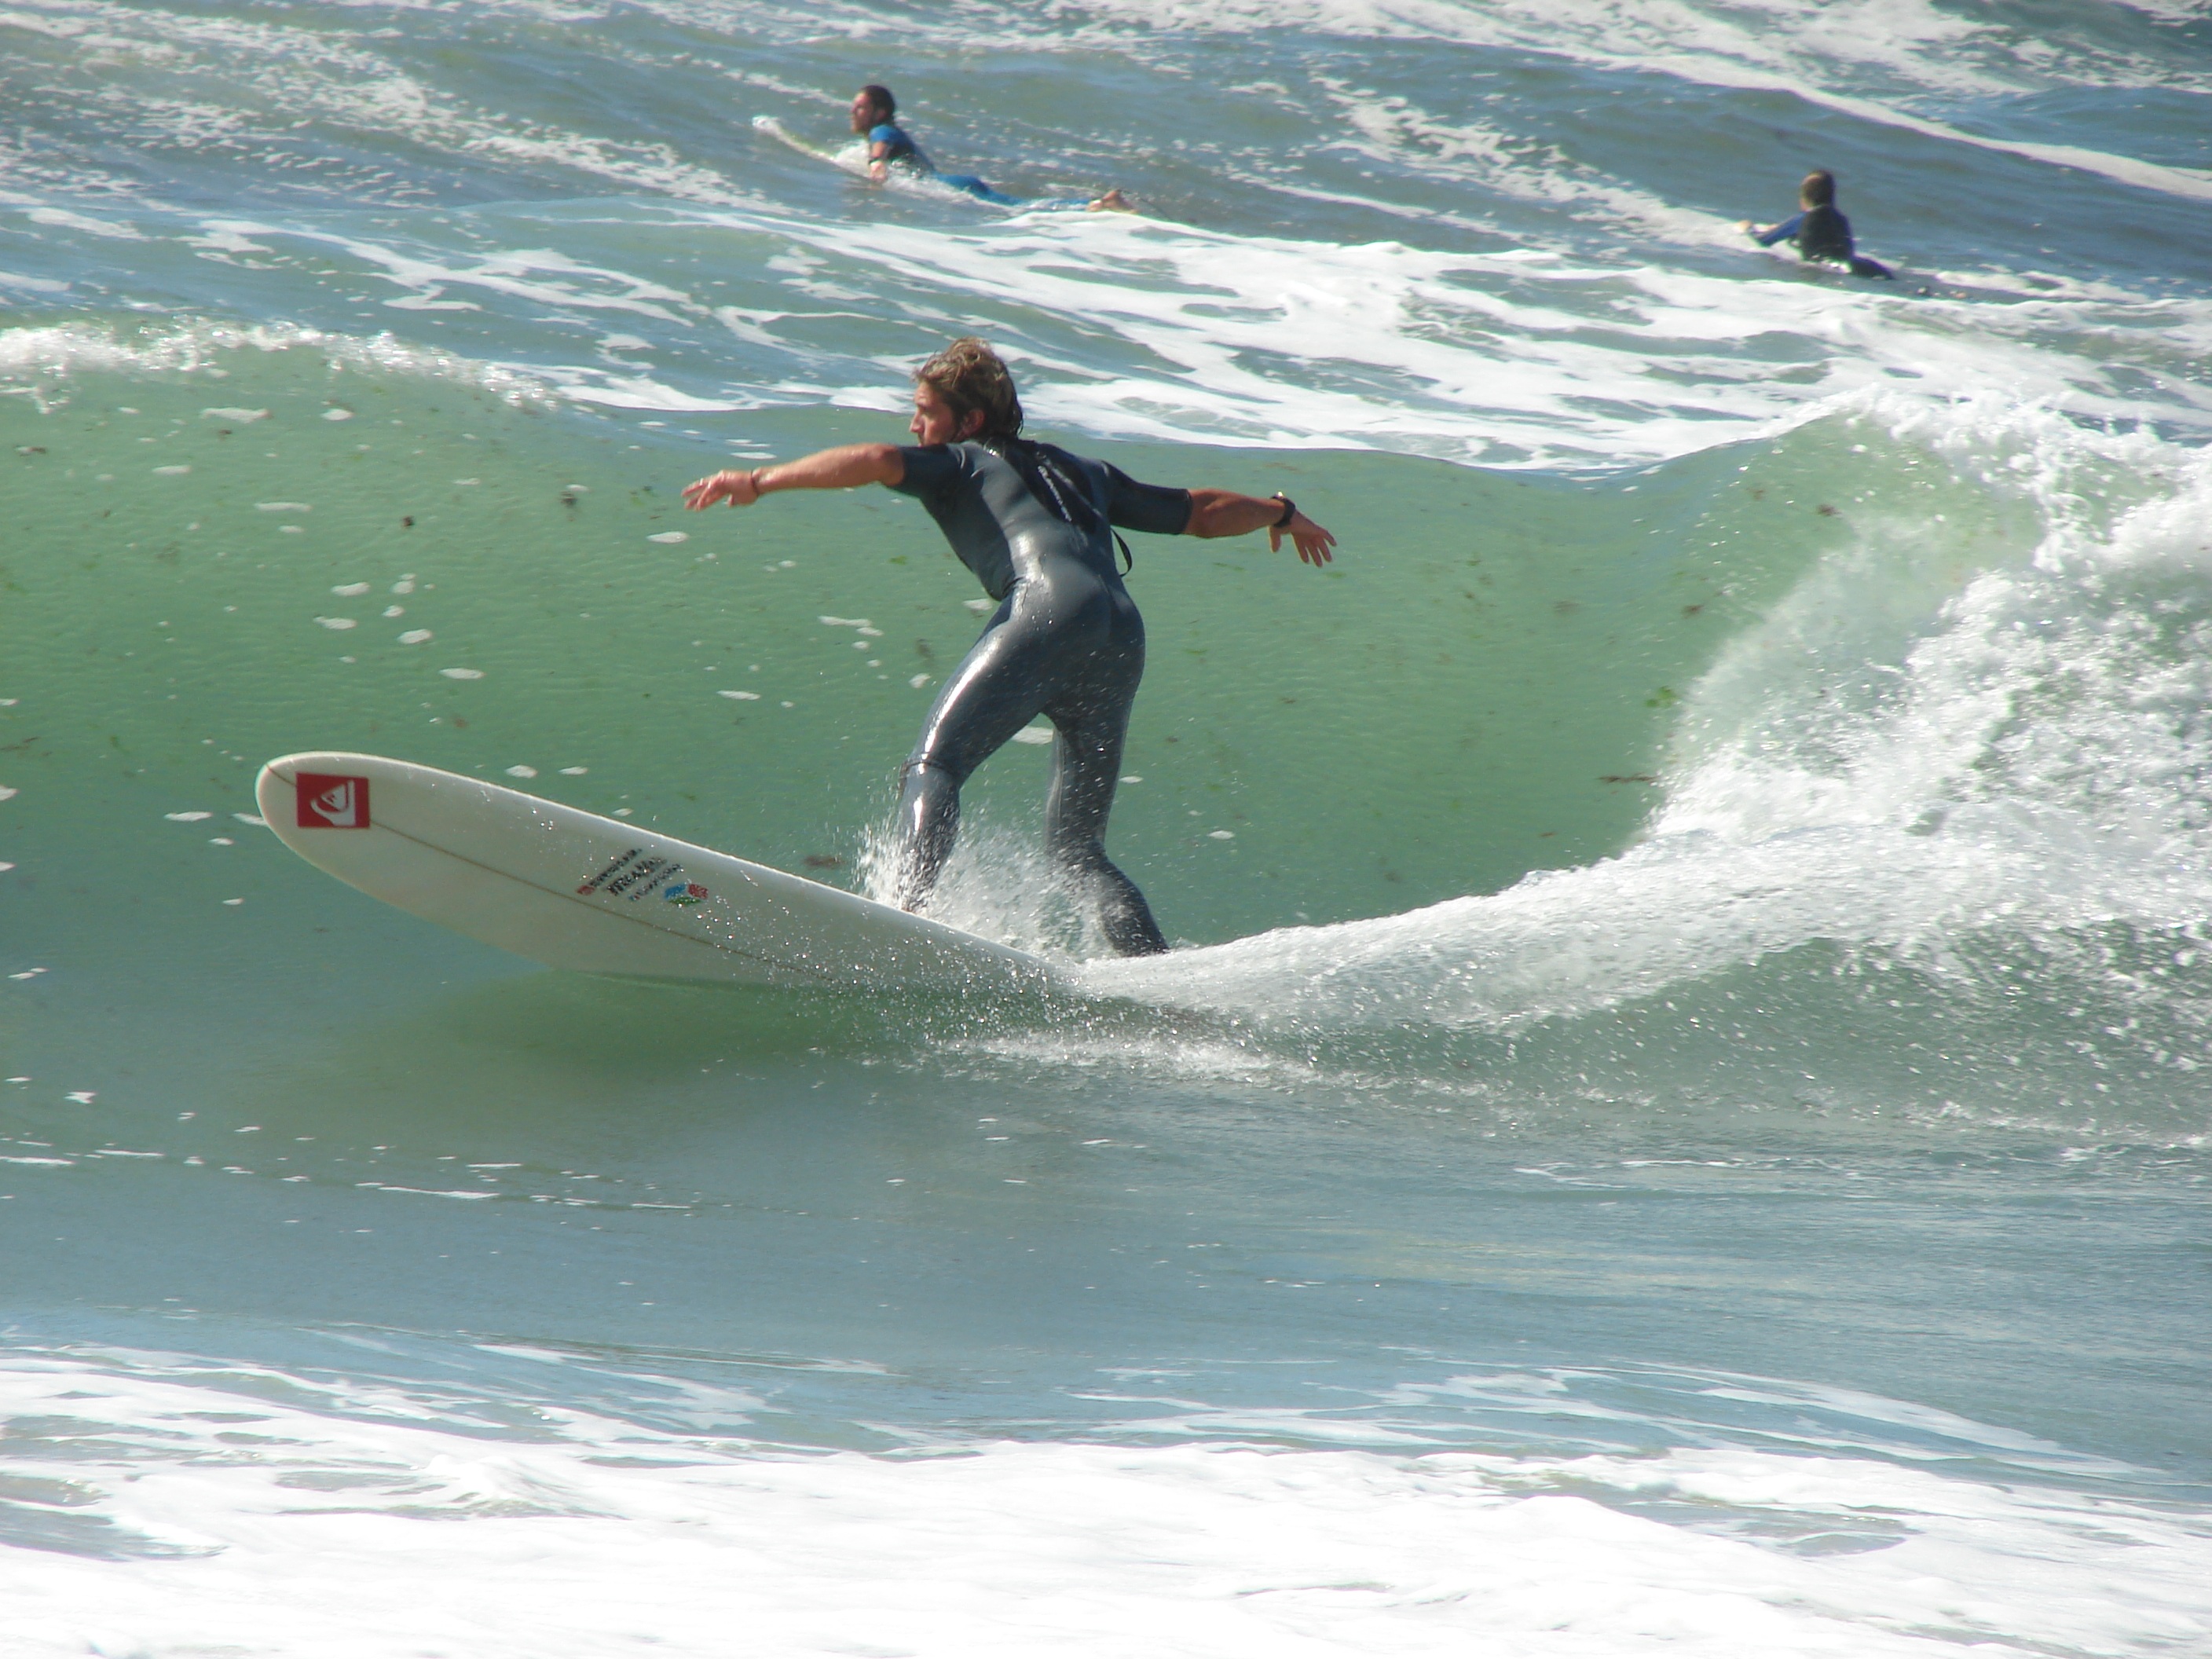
(1677, 1109)
(1496, 663)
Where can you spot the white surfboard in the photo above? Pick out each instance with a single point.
(852, 159)
(597, 895)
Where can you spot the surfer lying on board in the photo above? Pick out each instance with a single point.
(889, 147)
(1821, 233)
(1036, 525)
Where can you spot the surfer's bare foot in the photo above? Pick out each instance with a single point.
(1113, 201)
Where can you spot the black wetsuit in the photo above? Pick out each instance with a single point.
(1822, 234)
(1033, 523)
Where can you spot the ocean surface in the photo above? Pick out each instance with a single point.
(1680, 1117)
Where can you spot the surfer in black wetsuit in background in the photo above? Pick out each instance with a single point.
(1036, 525)
(1821, 233)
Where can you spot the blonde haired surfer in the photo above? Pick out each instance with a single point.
(1036, 525)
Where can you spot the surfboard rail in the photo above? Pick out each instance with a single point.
(571, 889)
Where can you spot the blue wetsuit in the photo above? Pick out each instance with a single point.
(900, 150)
(1034, 523)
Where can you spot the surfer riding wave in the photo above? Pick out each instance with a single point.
(1036, 525)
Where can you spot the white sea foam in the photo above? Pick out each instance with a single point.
(1526, 358)
(257, 1512)
(1512, 359)
(53, 352)
(74, 221)
(1887, 759)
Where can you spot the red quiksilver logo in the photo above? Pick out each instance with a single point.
(329, 802)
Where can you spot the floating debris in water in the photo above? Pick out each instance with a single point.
(188, 818)
(670, 537)
(351, 590)
(243, 417)
(743, 697)
(338, 624)
(170, 471)
(573, 771)
(1033, 734)
(1221, 834)
(282, 506)
(522, 771)
(415, 637)
(462, 673)
(338, 414)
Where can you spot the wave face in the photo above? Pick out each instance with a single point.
(1678, 1112)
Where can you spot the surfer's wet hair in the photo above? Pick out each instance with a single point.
(971, 378)
(1819, 189)
(881, 98)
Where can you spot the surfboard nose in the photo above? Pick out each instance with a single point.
(311, 791)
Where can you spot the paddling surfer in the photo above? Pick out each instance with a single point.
(874, 116)
(1821, 233)
(1036, 524)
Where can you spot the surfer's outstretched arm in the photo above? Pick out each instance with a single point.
(846, 467)
(1215, 513)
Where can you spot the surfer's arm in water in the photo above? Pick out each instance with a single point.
(847, 467)
(887, 144)
(1786, 231)
(1215, 513)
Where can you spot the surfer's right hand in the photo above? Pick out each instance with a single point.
(738, 489)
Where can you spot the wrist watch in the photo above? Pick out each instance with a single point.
(1290, 510)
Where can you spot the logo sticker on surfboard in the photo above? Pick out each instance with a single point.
(328, 801)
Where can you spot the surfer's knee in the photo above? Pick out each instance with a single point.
(929, 775)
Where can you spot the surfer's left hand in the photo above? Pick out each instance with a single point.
(738, 489)
(1312, 542)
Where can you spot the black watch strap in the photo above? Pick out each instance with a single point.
(1290, 509)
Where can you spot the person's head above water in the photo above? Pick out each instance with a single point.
(964, 392)
(1819, 189)
(872, 107)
